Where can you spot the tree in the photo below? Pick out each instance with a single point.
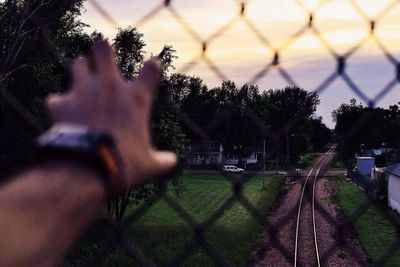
(166, 130)
(167, 57)
(233, 116)
(289, 110)
(38, 41)
(319, 134)
(392, 126)
(197, 104)
(358, 126)
(38, 38)
(236, 130)
(128, 45)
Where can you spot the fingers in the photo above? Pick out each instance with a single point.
(149, 74)
(146, 83)
(107, 72)
(80, 74)
(103, 58)
(143, 93)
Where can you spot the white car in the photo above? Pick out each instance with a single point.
(232, 169)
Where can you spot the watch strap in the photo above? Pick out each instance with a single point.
(89, 148)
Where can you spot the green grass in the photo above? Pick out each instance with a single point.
(161, 233)
(306, 160)
(338, 164)
(372, 222)
(341, 164)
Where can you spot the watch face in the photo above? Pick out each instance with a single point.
(63, 133)
(70, 128)
(74, 136)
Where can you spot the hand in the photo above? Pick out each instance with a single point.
(101, 99)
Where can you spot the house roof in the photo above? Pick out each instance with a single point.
(205, 147)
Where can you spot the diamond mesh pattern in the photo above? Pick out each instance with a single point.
(310, 26)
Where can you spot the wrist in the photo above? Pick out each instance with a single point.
(88, 148)
(51, 201)
(65, 176)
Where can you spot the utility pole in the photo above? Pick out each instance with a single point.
(263, 183)
(287, 149)
(386, 153)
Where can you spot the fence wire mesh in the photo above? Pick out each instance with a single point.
(21, 46)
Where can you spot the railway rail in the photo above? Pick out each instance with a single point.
(316, 168)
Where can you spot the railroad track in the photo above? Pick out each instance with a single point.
(316, 168)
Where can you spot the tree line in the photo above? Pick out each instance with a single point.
(39, 39)
(36, 51)
(358, 127)
(245, 117)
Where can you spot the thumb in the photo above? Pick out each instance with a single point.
(164, 161)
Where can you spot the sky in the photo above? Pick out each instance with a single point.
(239, 53)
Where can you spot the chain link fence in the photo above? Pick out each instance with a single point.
(117, 236)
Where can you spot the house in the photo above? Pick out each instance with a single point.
(375, 152)
(248, 158)
(231, 158)
(371, 152)
(393, 176)
(246, 155)
(207, 153)
(213, 153)
(383, 156)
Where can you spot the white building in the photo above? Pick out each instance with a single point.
(208, 153)
(213, 153)
(231, 159)
(249, 158)
(393, 175)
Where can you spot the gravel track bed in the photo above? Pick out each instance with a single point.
(338, 245)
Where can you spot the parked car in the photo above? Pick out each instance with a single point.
(232, 169)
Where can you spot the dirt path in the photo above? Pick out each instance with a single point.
(338, 245)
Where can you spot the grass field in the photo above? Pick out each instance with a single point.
(307, 160)
(374, 225)
(161, 233)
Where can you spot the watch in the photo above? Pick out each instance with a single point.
(85, 146)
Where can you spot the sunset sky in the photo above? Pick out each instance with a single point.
(240, 55)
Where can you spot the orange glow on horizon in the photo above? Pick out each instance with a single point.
(239, 54)
(338, 21)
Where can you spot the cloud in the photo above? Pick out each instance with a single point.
(240, 54)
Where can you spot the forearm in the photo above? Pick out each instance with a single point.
(43, 210)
